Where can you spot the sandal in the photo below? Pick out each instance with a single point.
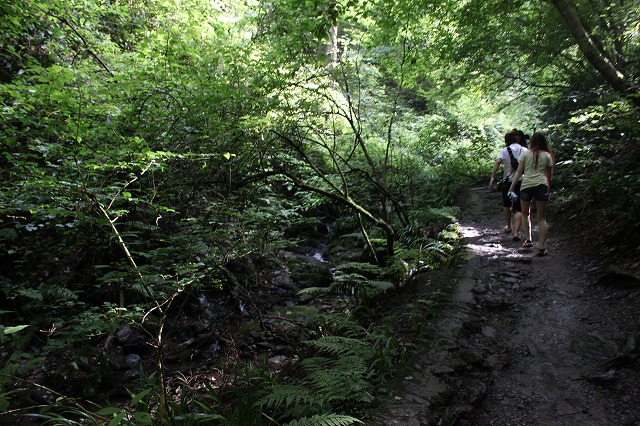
(516, 238)
(527, 244)
(507, 230)
(542, 252)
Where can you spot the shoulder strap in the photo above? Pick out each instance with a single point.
(514, 162)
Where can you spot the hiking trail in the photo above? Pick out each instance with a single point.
(521, 339)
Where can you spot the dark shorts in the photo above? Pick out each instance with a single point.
(539, 193)
(506, 202)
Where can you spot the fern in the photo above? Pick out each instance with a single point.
(367, 269)
(338, 323)
(356, 236)
(325, 420)
(341, 346)
(314, 290)
(348, 284)
(285, 396)
(337, 376)
(338, 381)
(350, 277)
(380, 286)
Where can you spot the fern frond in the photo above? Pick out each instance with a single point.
(317, 363)
(325, 420)
(353, 235)
(339, 324)
(299, 311)
(367, 269)
(339, 345)
(314, 290)
(380, 286)
(348, 284)
(285, 396)
(350, 278)
(345, 379)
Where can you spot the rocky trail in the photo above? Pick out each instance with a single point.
(522, 340)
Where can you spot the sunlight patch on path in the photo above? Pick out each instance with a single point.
(483, 243)
(470, 232)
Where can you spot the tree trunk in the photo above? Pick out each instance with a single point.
(614, 75)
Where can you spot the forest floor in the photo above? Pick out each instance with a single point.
(520, 339)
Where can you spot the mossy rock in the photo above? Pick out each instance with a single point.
(309, 274)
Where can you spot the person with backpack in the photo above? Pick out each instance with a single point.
(535, 168)
(509, 156)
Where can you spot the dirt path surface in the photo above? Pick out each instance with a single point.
(522, 340)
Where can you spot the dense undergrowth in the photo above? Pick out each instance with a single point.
(596, 178)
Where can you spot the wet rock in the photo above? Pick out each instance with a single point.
(133, 360)
(283, 279)
(124, 334)
(309, 272)
(278, 362)
(305, 297)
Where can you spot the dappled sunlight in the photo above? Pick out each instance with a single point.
(470, 232)
(489, 250)
(488, 243)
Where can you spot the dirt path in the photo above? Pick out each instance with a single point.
(522, 340)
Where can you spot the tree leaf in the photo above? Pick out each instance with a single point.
(15, 329)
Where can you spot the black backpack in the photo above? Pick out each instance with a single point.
(514, 161)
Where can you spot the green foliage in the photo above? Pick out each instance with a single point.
(342, 366)
(290, 395)
(325, 420)
(340, 346)
(598, 170)
(6, 330)
(148, 147)
(342, 373)
(366, 281)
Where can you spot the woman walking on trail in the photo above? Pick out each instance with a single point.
(504, 157)
(536, 167)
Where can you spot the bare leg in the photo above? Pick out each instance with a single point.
(517, 222)
(507, 217)
(541, 207)
(526, 219)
